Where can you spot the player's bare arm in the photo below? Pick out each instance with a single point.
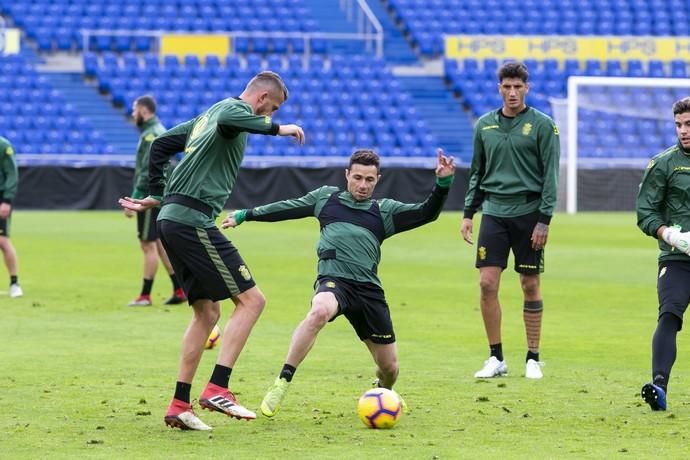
(292, 130)
(539, 236)
(466, 230)
(445, 166)
(138, 205)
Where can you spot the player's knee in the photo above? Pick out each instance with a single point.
(318, 315)
(488, 285)
(530, 285)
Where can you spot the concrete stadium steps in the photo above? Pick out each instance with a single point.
(436, 106)
(111, 123)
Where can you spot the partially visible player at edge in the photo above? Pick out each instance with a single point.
(514, 180)
(353, 228)
(209, 267)
(663, 212)
(9, 179)
(144, 115)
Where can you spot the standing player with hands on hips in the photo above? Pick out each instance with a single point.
(208, 266)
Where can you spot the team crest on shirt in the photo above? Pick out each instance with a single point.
(526, 129)
(481, 252)
(244, 271)
(150, 137)
(9, 151)
(651, 164)
(330, 284)
(555, 130)
(267, 120)
(662, 272)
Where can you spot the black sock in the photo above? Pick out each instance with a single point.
(532, 355)
(664, 348)
(182, 391)
(287, 372)
(13, 279)
(175, 283)
(496, 350)
(146, 287)
(221, 376)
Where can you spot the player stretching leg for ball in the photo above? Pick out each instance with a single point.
(209, 267)
(353, 227)
(663, 212)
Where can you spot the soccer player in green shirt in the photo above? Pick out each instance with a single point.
(663, 212)
(8, 189)
(209, 267)
(513, 178)
(353, 228)
(144, 115)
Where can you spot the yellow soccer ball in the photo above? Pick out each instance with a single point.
(213, 338)
(379, 408)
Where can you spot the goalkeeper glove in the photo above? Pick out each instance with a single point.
(677, 239)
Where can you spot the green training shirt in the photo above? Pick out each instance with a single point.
(514, 168)
(352, 231)
(214, 144)
(150, 129)
(664, 197)
(9, 176)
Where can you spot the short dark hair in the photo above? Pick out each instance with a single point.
(269, 80)
(146, 101)
(513, 70)
(364, 157)
(681, 106)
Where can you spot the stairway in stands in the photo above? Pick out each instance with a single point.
(116, 131)
(442, 114)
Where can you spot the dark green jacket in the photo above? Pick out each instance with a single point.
(8, 172)
(214, 144)
(514, 168)
(352, 231)
(149, 131)
(664, 197)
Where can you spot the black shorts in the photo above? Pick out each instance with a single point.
(498, 235)
(206, 263)
(363, 304)
(673, 287)
(5, 226)
(146, 224)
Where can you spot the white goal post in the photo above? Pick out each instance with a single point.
(577, 85)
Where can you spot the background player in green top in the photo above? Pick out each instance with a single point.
(663, 212)
(144, 115)
(9, 179)
(353, 227)
(209, 267)
(513, 177)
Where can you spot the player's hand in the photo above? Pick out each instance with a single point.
(128, 212)
(466, 230)
(137, 205)
(539, 236)
(5, 209)
(229, 222)
(292, 130)
(677, 239)
(445, 166)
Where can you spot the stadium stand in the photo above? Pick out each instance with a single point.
(38, 118)
(344, 101)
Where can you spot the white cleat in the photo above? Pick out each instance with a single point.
(186, 421)
(16, 290)
(533, 369)
(492, 368)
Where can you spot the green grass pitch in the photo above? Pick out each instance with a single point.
(84, 376)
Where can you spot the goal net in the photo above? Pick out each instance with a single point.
(610, 127)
